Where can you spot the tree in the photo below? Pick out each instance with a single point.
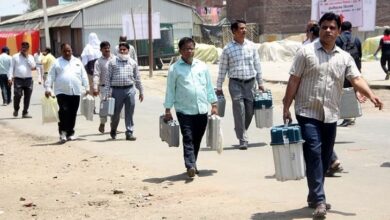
(32, 5)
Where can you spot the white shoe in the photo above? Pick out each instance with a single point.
(63, 138)
(72, 138)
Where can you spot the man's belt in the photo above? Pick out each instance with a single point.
(242, 80)
(122, 87)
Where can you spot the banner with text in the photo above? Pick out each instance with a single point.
(349, 10)
(140, 29)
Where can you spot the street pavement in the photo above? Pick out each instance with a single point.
(362, 192)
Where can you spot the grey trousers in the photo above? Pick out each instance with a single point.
(103, 119)
(123, 96)
(242, 100)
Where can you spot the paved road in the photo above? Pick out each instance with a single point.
(361, 193)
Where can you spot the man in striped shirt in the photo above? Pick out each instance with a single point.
(316, 82)
(241, 61)
(123, 75)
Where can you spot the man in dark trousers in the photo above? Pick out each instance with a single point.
(21, 76)
(353, 46)
(315, 84)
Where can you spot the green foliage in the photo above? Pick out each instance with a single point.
(32, 5)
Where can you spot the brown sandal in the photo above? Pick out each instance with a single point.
(320, 211)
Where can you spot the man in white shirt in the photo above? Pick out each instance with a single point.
(21, 75)
(5, 67)
(69, 78)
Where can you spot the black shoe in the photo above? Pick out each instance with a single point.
(26, 116)
(15, 114)
(243, 146)
(196, 171)
(191, 172)
(346, 123)
(113, 134)
(130, 137)
(101, 128)
(387, 76)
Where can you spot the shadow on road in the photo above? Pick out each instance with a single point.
(3, 119)
(236, 146)
(344, 142)
(56, 143)
(385, 164)
(179, 177)
(304, 212)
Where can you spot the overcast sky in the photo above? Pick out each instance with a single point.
(11, 7)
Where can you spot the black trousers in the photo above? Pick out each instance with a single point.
(192, 128)
(5, 89)
(385, 59)
(68, 106)
(22, 86)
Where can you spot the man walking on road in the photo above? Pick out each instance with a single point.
(21, 75)
(5, 68)
(123, 75)
(47, 61)
(100, 75)
(132, 52)
(190, 90)
(384, 46)
(240, 61)
(69, 79)
(316, 81)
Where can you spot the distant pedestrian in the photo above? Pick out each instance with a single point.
(90, 54)
(21, 76)
(39, 68)
(132, 52)
(384, 45)
(123, 78)
(241, 62)
(47, 61)
(314, 33)
(309, 34)
(317, 94)
(69, 79)
(100, 76)
(190, 91)
(5, 69)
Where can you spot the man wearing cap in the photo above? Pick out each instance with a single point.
(21, 75)
(5, 67)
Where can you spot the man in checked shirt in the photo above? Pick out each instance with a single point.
(100, 75)
(240, 60)
(123, 75)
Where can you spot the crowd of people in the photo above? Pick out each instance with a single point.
(191, 93)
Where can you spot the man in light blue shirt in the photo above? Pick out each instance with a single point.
(5, 68)
(190, 90)
(70, 79)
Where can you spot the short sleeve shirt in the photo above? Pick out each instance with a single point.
(322, 77)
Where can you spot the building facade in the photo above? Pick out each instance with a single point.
(286, 16)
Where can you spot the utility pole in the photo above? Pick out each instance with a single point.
(45, 24)
(150, 38)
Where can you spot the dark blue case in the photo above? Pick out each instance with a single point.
(292, 133)
(263, 99)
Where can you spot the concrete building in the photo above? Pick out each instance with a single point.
(73, 22)
(286, 16)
